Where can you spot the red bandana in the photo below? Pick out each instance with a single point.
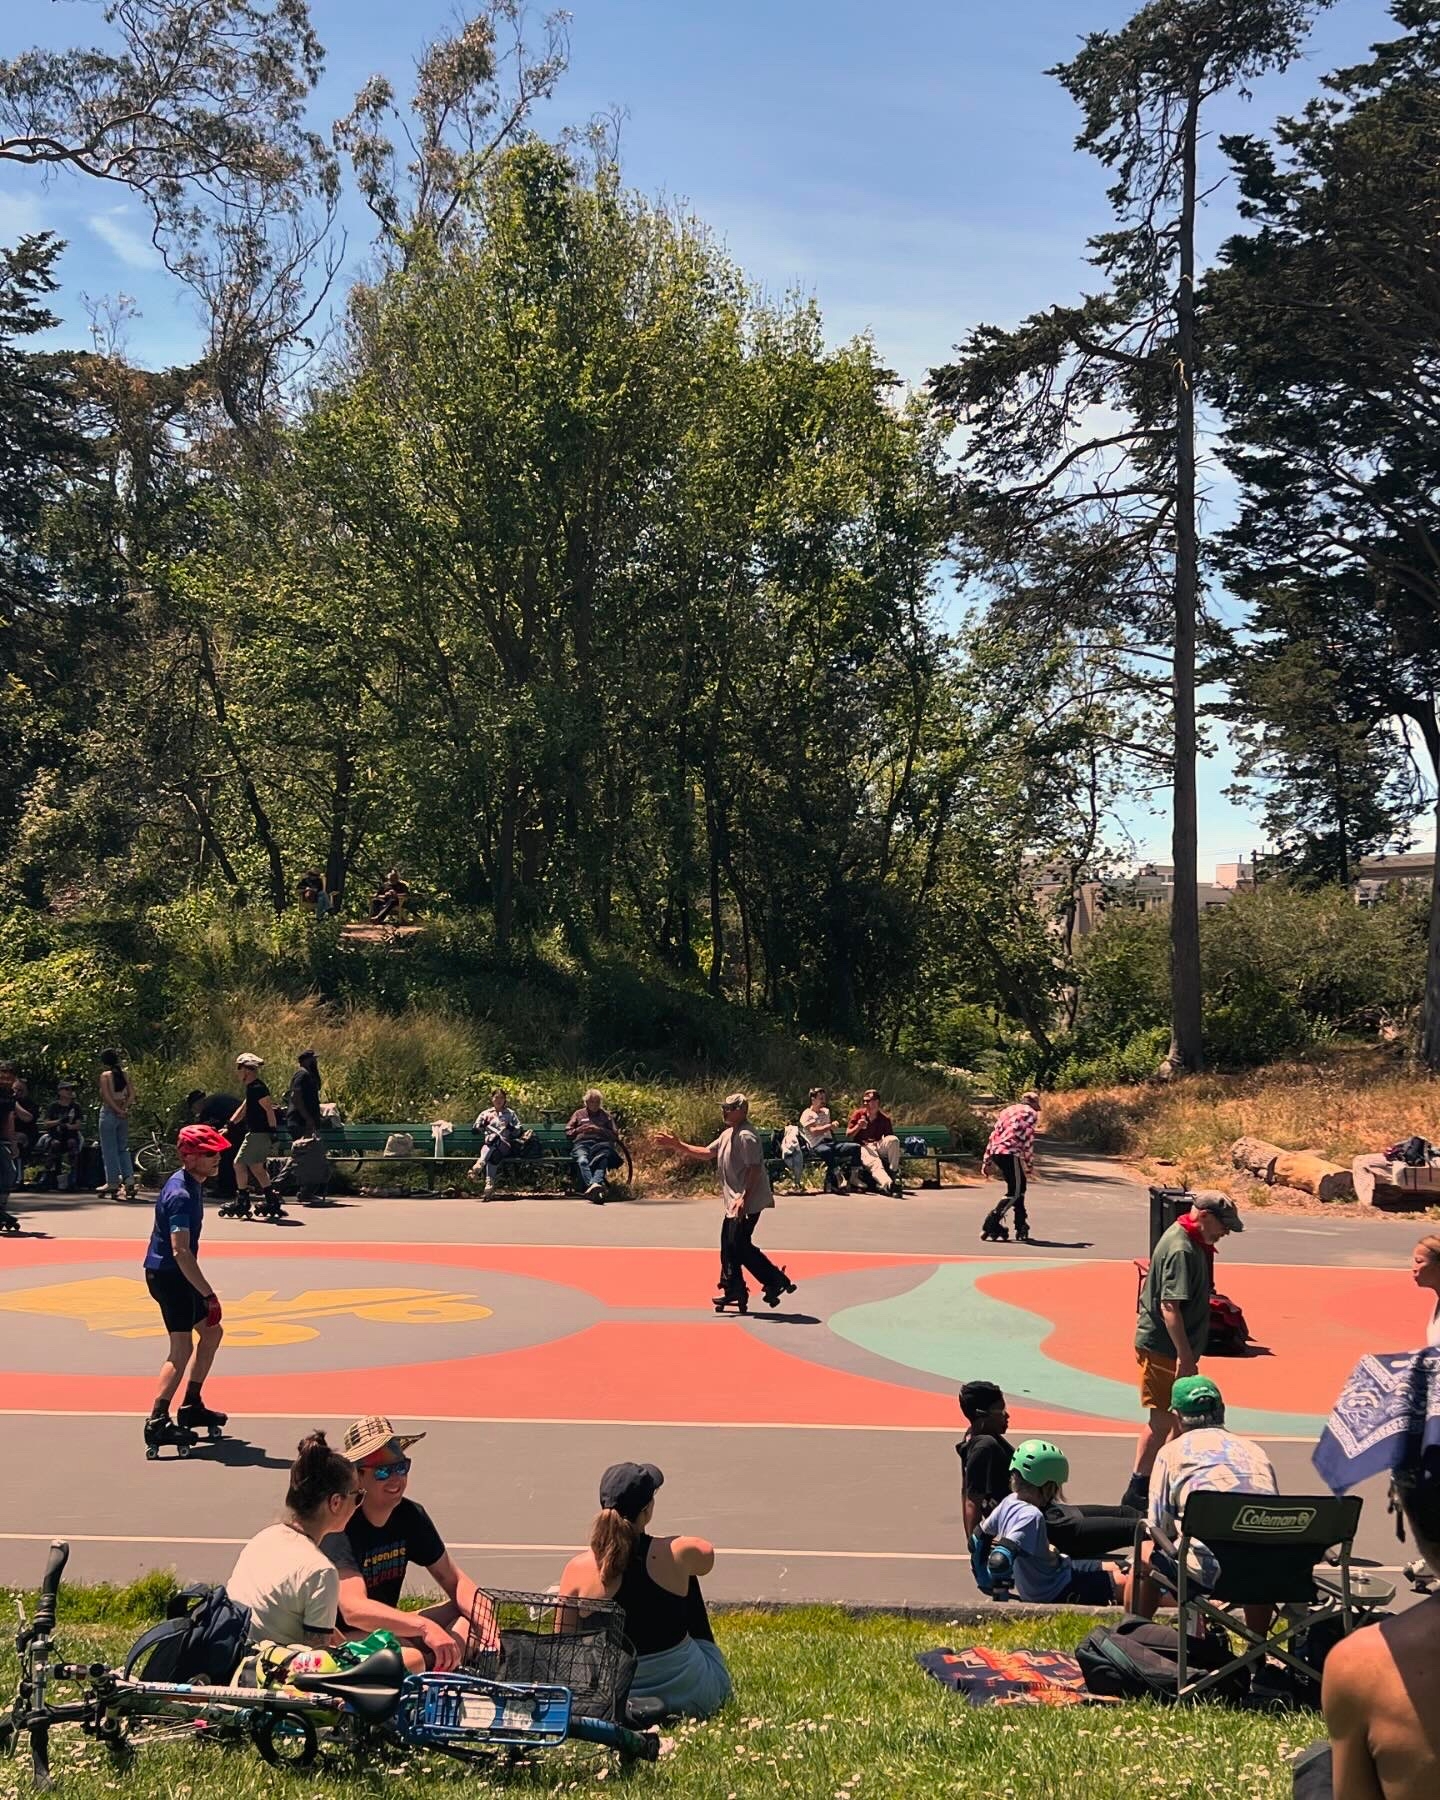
(1192, 1225)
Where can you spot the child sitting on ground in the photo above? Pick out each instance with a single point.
(1038, 1473)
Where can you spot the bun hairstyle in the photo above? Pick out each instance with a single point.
(317, 1472)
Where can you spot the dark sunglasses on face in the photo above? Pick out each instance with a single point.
(388, 1471)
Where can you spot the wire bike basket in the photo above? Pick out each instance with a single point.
(543, 1641)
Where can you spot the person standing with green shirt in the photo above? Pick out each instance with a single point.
(1173, 1325)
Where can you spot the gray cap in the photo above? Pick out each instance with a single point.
(1211, 1201)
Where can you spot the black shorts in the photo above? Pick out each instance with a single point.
(182, 1307)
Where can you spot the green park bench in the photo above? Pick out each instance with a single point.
(938, 1150)
(354, 1149)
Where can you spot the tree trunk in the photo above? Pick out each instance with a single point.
(505, 866)
(1430, 1007)
(335, 860)
(264, 831)
(1185, 1028)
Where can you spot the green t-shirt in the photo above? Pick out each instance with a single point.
(1179, 1273)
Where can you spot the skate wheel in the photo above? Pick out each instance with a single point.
(182, 1451)
(151, 1453)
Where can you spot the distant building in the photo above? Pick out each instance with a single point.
(1150, 887)
(1375, 876)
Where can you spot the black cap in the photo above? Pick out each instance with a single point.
(628, 1488)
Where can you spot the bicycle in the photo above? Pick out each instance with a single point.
(369, 1708)
(155, 1161)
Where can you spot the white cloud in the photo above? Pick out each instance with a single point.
(134, 250)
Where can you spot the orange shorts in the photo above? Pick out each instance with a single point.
(1157, 1377)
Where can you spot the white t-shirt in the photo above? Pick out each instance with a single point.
(289, 1586)
(1432, 1333)
(816, 1124)
(737, 1151)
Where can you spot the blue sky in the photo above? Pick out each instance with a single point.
(910, 164)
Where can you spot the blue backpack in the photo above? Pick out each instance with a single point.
(202, 1638)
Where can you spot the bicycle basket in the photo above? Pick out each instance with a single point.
(539, 1640)
(455, 1712)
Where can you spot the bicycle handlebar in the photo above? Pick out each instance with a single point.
(50, 1587)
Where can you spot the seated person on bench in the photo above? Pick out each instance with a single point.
(657, 1582)
(385, 1534)
(1204, 1458)
(1381, 1691)
(389, 900)
(985, 1456)
(594, 1144)
(500, 1130)
(63, 1137)
(1038, 1472)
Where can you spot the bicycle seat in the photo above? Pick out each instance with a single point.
(371, 1688)
(644, 1710)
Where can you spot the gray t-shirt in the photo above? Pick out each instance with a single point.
(737, 1151)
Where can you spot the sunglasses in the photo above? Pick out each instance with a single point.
(388, 1471)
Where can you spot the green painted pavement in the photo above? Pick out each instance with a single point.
(948, 1327)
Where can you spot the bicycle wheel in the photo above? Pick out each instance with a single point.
(634, 1746)
(154, 1162)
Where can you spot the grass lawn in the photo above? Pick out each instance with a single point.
(827, 1708)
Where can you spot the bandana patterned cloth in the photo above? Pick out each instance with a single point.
(1386, 1421)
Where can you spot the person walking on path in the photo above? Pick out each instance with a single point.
(1011, 1153)
(117, 1097)
(189, 1306)
(745, 1188)
(255, 1115)
(594, 1144)
(880, 1150)
(1173, 1325)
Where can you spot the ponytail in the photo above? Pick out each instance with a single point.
(613, 1538)
(316, 1473)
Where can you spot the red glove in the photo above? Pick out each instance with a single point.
(212, 1310)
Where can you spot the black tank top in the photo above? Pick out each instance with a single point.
(655, 1619)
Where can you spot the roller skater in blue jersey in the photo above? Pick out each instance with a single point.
(188, 1304)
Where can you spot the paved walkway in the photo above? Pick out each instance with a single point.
(537, 1341)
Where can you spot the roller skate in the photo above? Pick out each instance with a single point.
(740, 1301)
(195, 1417)
(270, 1207)
(993, 1232)
(9, 1224)
(1022, 1234)
(774, 1295)
(238, 1208)
(160, 1432)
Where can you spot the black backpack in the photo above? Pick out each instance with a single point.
(202, 1638)
(1139, 1660)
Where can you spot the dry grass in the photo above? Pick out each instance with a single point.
(1340, 1102)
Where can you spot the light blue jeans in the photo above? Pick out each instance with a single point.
(692, 1678)
(115, 1149)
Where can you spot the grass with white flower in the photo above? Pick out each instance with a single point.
(828, 1707)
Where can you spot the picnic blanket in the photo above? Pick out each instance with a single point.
(1011, 1677)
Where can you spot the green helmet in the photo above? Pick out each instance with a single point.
(1196, 1396)
(1038, 1461)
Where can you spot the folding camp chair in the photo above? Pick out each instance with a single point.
(1266, 1547)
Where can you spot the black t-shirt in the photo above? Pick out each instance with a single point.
(382, 1553)
(985, 1462)
(57, 1115)
(256, 1118)
(304, 1100)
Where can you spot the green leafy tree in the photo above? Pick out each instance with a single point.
(1323, 361)
(1104, 516)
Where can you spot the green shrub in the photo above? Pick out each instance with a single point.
(1133, 1062)
(60, 1010)
(1100, 1124)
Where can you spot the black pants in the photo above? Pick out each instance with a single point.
(1090, 1530)
(1011, 1167)
(738, 1253)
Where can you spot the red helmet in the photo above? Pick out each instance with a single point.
(201, 1140)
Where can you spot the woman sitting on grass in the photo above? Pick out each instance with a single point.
(1038, 1474)
(291, 1588)
(657, 1582)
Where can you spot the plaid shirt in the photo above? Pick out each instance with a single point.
(1014, 1135)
